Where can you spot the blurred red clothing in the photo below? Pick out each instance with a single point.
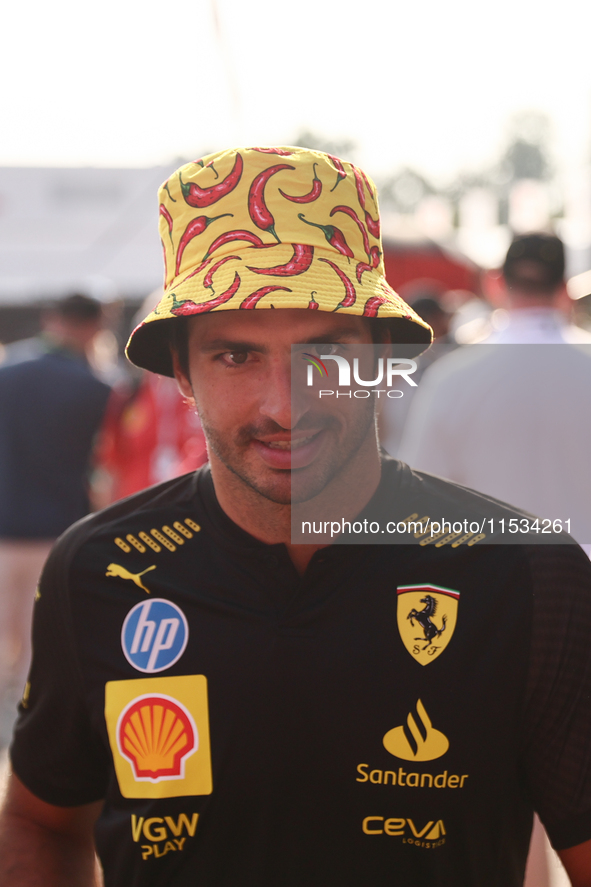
(148, 436)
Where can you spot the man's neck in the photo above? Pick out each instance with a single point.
(270, 522)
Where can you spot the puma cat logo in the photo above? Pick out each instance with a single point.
(122, 573)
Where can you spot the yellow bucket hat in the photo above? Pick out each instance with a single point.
(257, 228)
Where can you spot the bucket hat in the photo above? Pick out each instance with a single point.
(262, 228)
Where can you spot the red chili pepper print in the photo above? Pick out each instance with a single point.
(373, 225)
(196, 271)
(193, 229)
(165, 266)
(238, 234)
(251, 301)
(187, 308)
(359, 185)
(373, 305)
(353, 215)
(334, 236)
(368, 185)
(374, 255)
(202, 197)
(312, 195)
(341, 174)
(208, 279)
(273, 151)
(313, 304)
(257, 208)
(350, 294)
(360, 270)
(299, 262)
(166, 215)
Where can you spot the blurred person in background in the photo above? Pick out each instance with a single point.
(51, 406)
(149, 433)
(538, 310)
(510, 422)
(431, 310)
(393, 413)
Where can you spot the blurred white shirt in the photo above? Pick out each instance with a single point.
(512, 422)
(537, 326)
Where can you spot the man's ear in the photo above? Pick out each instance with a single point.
(181, 379)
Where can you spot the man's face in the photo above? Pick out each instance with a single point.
(240, 366)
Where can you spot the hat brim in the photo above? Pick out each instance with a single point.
(149, 347)
(250, 281)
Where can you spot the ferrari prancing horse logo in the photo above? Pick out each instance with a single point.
(427, 617)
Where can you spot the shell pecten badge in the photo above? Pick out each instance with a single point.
(427, 616)
(159, 736)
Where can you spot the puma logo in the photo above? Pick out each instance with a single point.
(116, 570)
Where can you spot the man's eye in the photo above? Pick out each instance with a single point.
(237, 357)
(326, 349)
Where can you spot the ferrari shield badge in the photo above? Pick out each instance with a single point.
(427, 617)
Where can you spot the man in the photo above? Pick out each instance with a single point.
(537, 303)
(511, 420)
(238, 709)
(51, 407)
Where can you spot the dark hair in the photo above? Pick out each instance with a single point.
(427, 308)
(179, 338)
(535, 263)
(78, 307)
(179, 342)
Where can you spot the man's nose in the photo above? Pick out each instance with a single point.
(277, 402)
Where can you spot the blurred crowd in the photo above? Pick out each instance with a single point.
(77, 433)
(80, 428)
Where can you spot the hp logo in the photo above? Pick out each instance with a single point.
(154, 635)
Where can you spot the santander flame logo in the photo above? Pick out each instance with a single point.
(156, 734)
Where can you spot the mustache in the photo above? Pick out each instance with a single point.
(267, 427)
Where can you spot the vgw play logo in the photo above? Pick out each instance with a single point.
(388, 371)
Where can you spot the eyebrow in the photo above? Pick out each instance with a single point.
(244, 345)
(342, 333)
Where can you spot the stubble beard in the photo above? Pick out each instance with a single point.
(286, 487)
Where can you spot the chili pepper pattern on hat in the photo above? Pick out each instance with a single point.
(305, 220)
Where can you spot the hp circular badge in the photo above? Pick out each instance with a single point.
(154, 635)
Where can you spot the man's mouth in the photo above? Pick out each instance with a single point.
(295, 452)
(293, 444)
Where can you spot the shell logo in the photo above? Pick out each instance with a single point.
(156, 734)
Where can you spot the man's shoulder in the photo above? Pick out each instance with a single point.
(441, 491)
(37, 363)
(467, 512)
(22, 351)
(161, 500)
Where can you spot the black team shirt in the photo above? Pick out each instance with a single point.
(393, 717)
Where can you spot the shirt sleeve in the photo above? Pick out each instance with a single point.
(557, 750)
(54, 751)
